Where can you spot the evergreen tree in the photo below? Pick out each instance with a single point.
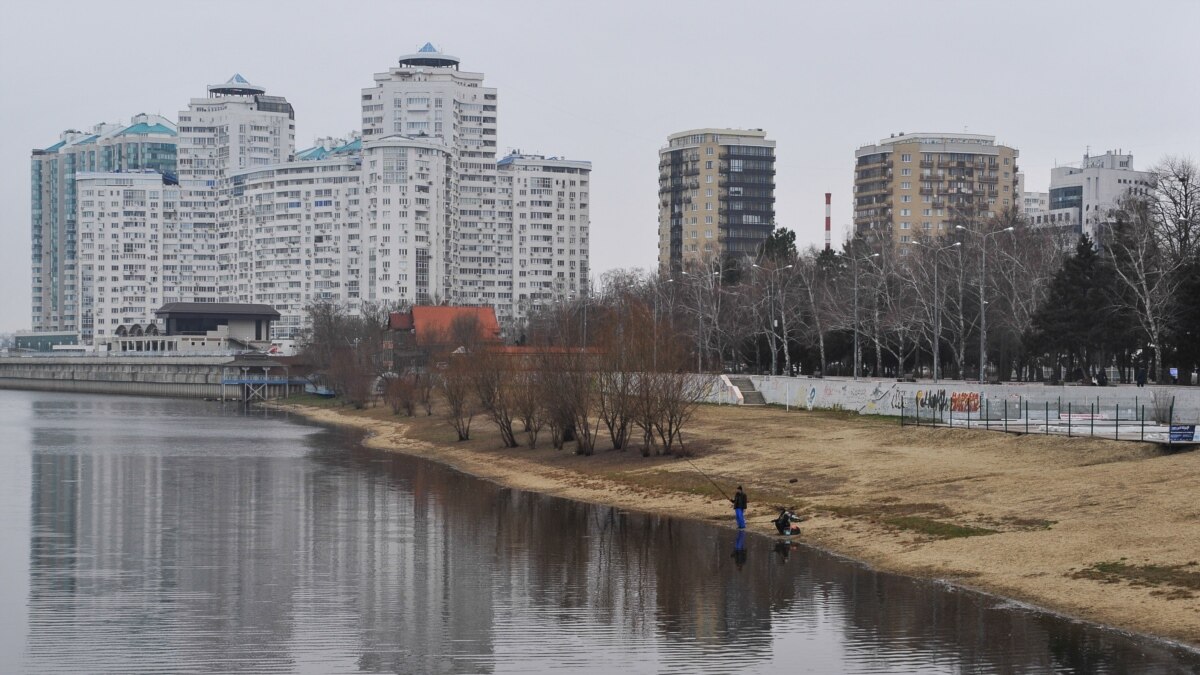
(780, 246)
(1077, 320)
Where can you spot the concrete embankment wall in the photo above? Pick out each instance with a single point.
(883, 397)
(181, 377)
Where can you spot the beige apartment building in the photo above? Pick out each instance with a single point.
(911, 186)
(716, 196)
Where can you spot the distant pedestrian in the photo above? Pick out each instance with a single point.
(1102, 379)
(1140, 377)
(739, 507)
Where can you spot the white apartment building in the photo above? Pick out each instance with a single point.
(1082, 196)
(122, 239)
(1034, 203)
(236, 127)
(427, 94)
(296, 226)
(416, 210)
(547, 201)
(408, 208)
(147, 142)
(464, 246)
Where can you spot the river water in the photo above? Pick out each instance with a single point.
(151, 535)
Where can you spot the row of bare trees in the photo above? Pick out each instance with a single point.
(939, 292)
(624, 373)
(797, 311)
(345, 350)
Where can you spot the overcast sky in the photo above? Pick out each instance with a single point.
(607, 81)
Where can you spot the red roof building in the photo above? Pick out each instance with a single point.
(431, 329)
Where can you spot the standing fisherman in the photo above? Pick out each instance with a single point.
(739, 507)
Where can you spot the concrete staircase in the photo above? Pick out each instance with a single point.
(750, 395)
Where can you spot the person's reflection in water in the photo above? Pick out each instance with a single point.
(739, 549)
(783, 549)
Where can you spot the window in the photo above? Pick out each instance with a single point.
(926, 225)
(708, 179)
(905, 172)
(927, 212)
(905, 212)
(905, 158)
(904, 225)
(708, 164)
(906, 186)
(708, 220)
(735, 165)
(708, 151)
(905, 198)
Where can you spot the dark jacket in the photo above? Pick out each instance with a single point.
(739, 500)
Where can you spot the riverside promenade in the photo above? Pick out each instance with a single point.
(184, 376)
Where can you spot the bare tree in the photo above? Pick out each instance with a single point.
(528, 407)
(491, 375)
(456, 384)
(1175, 206)
(400, 393)
(1146, 273)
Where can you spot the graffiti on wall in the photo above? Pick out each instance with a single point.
(965, 401)
(811, 398)
(932, 399)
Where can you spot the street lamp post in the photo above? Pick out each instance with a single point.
(700, 320)
(771, 304)
(937, 308)
(857, 354)
(982, 297)
(657, 292)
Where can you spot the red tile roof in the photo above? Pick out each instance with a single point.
(432, 324)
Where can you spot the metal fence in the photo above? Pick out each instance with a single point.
(1137, 418)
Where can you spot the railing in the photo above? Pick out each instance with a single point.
(1150, 418)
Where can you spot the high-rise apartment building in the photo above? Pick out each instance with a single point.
(299, 228)
(1082, 197)
(438, 227)
(126, 232)
(237, 126)
(911, 186)
(716, 190)
(546, 199)
(415, 210)
(148, 142)
(408, 219)
(427, 97)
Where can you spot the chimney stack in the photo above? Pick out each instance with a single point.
(828, 196)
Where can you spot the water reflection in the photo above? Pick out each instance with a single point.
(171, 535)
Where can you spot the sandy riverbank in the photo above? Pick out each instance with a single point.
(1106, 531)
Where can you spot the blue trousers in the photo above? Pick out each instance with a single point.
(741, 518)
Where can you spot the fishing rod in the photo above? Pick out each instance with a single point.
(707, 476)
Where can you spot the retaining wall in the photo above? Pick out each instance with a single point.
(173, 376)
(884, 397)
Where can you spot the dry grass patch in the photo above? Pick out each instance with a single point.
(1173, 582)
(921, 518)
